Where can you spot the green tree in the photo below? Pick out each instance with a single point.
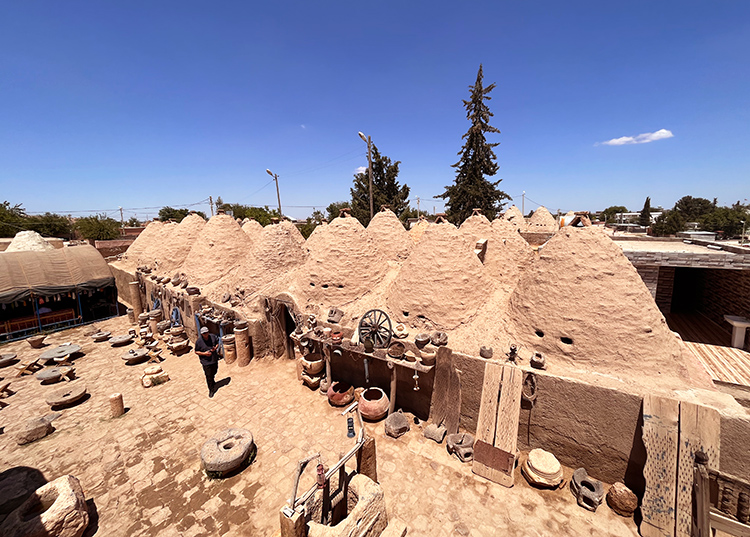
(728, 220)
(608, 214)
(333, 210)
(51, 225)
(471, 189)
(312, 222)
(668, 223)
(133, 222)
(386, 190)
(644, 219)
(12, 219)
(169, 213)
(262, 214)
(99, 227)
(693, 209)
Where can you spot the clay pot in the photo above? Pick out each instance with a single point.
(439, 338)
(373, 404)
(336, 337)
(420, 340)
(340, 393)
(427, 355)
(485, 352)
(396, 350)
(369, 345)
(409, 357)
(313, 363)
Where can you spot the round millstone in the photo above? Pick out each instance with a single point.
(226, 451)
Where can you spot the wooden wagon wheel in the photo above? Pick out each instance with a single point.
(376, 325)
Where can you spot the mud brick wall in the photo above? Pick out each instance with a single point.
(650, 276)
(725, 292)
(664, 289)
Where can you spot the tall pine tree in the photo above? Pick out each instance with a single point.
(471, 189)
(385, 188)
(644, 219)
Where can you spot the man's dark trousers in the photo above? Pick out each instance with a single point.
(210, 371)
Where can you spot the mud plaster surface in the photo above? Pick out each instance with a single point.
(25, 241)
(389, 236)
(220, 246)
(541, 221)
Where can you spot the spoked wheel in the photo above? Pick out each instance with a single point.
(376, 325)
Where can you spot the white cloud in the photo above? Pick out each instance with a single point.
(303, 126)
(361, 169)
(644, 138)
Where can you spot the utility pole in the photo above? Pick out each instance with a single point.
(417, 206)
(122, 220)
(368, 140)
(278, 196)
(211, 203)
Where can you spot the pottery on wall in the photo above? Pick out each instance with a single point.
(313, 363)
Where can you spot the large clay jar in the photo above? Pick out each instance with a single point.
(312, 363)
(340, 393)
(373, 404)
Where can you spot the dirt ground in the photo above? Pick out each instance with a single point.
(142, 472)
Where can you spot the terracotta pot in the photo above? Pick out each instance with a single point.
(313, 363)
(421, 340)
(36, 342)
(427, 354)
(396, 350)
(373, 404)
(340, 393)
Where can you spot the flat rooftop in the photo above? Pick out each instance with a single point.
(142, 475)
(667, 246)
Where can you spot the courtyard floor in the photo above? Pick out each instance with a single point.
(142, 473)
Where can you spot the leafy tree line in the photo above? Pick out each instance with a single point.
(708, 214)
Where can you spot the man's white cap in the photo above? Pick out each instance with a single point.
(204, 330)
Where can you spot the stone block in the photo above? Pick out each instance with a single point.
(433, 432)
(396, 425)
(33, 430)
(622, 500)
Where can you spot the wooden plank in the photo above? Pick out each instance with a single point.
(453, 411)
(509, 409)
(441, 386)
(700, 430)
(701, 522)
(660, 437)
(482, 463)
(721, 522)
(493, 375)
(508, 414)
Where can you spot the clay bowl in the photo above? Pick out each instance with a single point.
(373, 404)
(409, 357)
(36, 342)
(340, 393)
(421, 340)
(313, 363)
(427, 355)
(396, 350)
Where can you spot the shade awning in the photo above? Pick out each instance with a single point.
(51, 272)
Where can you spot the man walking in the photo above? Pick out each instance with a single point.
(206, 348)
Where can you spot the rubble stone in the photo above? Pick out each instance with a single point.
(622, 500)
(396, 425)
(433, 432)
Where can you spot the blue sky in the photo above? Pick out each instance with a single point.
(144, 104)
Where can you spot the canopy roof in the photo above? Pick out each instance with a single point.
(51, 272)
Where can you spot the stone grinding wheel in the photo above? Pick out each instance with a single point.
(135, 356)
(7, 359)
(119, 341)
(70, 394)
(60, 352)
(376, 325)
(49, 376)
(101, 336)
(227, 450)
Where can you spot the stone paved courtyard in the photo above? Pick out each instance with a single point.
(142, 473)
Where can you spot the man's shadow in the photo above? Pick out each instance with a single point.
(221, 383)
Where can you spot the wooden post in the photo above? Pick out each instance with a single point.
(135, 298)
(116, 406)
(293, 525)
(394, 379)
(367, 463)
